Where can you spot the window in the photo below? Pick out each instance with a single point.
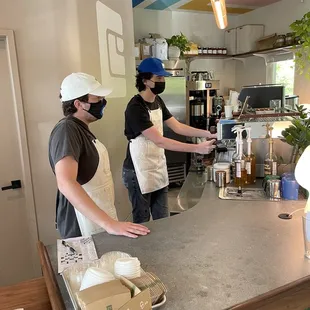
(282, 72)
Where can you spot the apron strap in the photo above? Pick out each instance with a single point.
(142, 102)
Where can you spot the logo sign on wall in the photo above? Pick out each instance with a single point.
(111, 48)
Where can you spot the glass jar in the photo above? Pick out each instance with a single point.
(220, 51)
(225, 51)
(205, 50)
(297, 40)
(200, 50)
(214, 51)
(210, 50)
(280, 41)
(290, 38)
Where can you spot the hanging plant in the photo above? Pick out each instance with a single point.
(301, 29)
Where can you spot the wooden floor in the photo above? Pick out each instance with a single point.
(30, 295)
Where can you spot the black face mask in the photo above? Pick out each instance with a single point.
(96, 108)
(158, 88)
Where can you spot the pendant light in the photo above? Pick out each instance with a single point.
(219, 9)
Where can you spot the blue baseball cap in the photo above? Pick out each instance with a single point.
(153, 65)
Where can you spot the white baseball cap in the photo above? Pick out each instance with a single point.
(79, 84)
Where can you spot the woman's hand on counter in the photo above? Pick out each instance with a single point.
(205, 147)
(126, 229)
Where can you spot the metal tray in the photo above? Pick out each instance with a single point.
(73, 276)
(248, 194)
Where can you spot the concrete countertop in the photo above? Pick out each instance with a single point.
(218, 253)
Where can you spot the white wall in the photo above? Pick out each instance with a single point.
(110, 130)
(53, 39)
(46, 34)
(276, 18)
(224, 72)
(198, 27)
(253, 71)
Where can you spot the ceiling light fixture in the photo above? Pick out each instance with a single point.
(219, 9)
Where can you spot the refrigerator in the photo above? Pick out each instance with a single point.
(174, 97)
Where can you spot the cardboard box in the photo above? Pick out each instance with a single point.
(141, 301)
(107, 296)
(115, 295)
(266, 42)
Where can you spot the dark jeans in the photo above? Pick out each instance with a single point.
(155, 203)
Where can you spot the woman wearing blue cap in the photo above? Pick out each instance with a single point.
(145, 170)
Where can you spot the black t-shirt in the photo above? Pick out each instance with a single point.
(137, 119)
(72, 137)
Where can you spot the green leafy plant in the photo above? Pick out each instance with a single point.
(301, 29)
(181, 41)
(298, 134)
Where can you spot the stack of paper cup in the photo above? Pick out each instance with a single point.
(233, 101)
(127, 267)
(228, 111)
(95, 276)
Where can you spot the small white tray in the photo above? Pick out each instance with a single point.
(73, 275)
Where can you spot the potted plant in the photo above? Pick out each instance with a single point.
(301, 29)
(298, 133)
(178, 44)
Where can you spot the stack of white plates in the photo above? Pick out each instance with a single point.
(95, 276)
(128, 267)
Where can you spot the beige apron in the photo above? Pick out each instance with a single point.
(148, 159)
(101, 190)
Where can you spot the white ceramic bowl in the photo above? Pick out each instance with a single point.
(107, 260)
(95, 276)
(126, 270)
(128, 261)
(127, 267)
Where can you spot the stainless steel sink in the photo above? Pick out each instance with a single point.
(231, 193)
(190, 192)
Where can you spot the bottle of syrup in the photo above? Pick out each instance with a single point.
(271, 160)
(250, 160)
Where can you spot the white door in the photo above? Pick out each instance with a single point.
(18, 234)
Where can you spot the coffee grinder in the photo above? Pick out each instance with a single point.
(200, 112)
(200, 103)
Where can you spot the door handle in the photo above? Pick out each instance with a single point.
(14, 185)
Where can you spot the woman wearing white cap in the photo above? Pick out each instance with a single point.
(145, 171)
(85, 198)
